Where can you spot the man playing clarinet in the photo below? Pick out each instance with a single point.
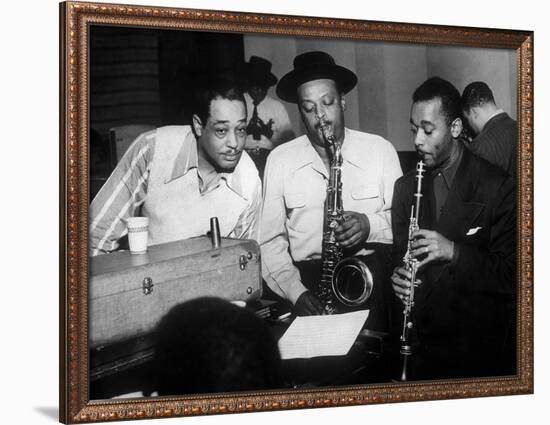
(463, 316)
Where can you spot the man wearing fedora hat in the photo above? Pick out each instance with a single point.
(269, 124)
(296, 177)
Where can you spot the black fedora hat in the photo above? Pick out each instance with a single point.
(314, 66)
(258, 71)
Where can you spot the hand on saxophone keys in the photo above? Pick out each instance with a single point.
(401, 282)
(353, 230)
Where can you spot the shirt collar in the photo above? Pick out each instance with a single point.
(351, 152)
(188, 159)
(449, 172)
(310, 156)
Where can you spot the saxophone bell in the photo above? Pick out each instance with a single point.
(352, 282)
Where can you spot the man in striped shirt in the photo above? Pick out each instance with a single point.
(180, 176)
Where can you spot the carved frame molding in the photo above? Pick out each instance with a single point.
(75, 19)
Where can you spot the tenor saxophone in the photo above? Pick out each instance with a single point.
(347, 281)
(411, 265)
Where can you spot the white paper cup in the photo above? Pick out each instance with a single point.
(138, 231)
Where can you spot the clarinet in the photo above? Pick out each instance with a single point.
(411, 265)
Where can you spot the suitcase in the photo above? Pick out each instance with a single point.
(128, 293)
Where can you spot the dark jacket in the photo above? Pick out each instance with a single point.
(464, 313)
(497, 143)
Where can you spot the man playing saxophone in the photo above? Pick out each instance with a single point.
(463, 313)
(296, 179)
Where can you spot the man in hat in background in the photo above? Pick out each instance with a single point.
(296, 177)
(269, 124)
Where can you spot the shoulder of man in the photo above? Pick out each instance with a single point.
(287, 157)
(146, 138)
(172, 133)
(246, 165)
(370, 141)
(163, 142)
(505, 116)
(287, 151)
(499, 122)
(488, 172)
(143, 147)
(170, 139)
(248, 173)
(484, 182)
(510, 123)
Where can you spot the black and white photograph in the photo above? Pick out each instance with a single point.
(268, 212)
(274, 212)
(358, 236)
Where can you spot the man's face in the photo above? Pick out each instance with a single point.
(257, 93)
(221, 139)
(321, 98)
(432, 135)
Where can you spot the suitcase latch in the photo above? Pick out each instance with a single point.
(243, 260)
(147, 286)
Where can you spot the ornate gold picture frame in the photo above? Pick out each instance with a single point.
(76, 20)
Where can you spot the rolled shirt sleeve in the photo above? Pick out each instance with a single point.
(119, 198)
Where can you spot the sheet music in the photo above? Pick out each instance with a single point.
(315, 336)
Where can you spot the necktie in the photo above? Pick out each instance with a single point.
(255, 122)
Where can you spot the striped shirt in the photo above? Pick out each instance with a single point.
(158, 177)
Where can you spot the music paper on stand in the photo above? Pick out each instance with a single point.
(315, 336)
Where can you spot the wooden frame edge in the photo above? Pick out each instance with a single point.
(74, 20)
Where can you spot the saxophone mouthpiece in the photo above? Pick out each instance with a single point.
(325, 128)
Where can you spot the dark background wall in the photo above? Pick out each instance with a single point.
(145, 76)
(388, 73)
(124, 77)
(142, 76)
